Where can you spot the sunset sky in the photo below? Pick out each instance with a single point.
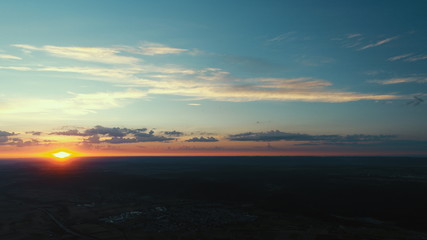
(213, 77)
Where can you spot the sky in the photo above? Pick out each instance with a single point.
(213, 77)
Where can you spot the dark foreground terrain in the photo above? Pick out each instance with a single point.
(214, 198)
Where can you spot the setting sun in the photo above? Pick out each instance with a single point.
(62, 155)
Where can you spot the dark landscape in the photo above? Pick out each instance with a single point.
(214, 198)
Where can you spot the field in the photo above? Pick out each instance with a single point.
(214, 198)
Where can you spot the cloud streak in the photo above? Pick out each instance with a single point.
(90, 54)
(409, 57)
(379, 43)
(416, 58)
(151, 49)
(207, 83)
(399, 57)
(271, 89)
(77, 104)
(400, 80)
(215, 84)
(9, 57)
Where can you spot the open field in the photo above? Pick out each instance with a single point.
(214, 198)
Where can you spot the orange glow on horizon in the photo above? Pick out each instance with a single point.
(78, 152)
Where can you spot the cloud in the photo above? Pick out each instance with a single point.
(16, 68)
(283, 36)
(107, 131)
(90, 54)
(146, 138)
(353, 35)
(71, 132)
(379, 43)
(400, 80)
(115, 75)
(114, 135)
(34, 133)
(207, 83)
(6, 134)
(151, 49)
(202, 139)
(212, 86)
(350, 40)
(273, 89)
(399, 57)
(78, 104)
(106, 74)
(92, 139)
(409, 57)
(103, 100)
(6, 139)
(193, 104)
(9, 57)
(193, 148)
(277, 135)
(22, 143)
(174, 133)
(416, 58)
(112, 132)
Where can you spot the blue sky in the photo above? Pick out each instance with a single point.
(215, 69)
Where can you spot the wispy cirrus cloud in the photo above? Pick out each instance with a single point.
(409, 57)
(288, 36)
(151, 49)
(215, 84)
(9, 57)
(350, 40)
(399, 57)
(116, 74)
(103, 100)
(359, 41)
(353, 35)
(77, 104)
(207, 83)
(379, 43)
(416, 58)
(305, 90)
(90, 54)
(400, 80)
(16, 68)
